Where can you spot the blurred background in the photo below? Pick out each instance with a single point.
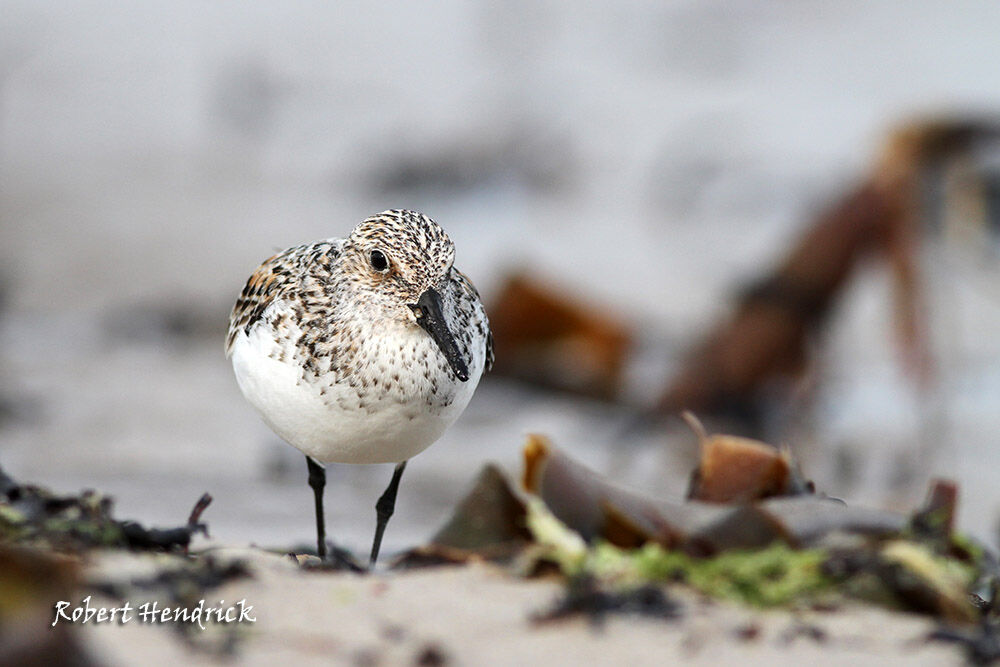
(659, 181)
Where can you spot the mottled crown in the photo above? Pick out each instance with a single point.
(409, 237)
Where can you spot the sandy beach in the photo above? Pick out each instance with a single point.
(481, 615)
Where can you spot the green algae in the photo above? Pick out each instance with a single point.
(899, 573)
(773, 576)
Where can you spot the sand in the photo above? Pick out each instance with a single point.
(480, 614)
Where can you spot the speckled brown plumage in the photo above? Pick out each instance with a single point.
(348, 332)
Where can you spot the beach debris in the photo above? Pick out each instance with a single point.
(585, 596)
(802, 630)
(980, 642)
(762, 349)
(748, 632)
(30, 580)
(46, 537)
(338, 559)
(498, 521)
(906, 575)
(431, 654)
(167, 539)
(176, 579)
(489, 517)
(760, 544)
(765, 577)
(734, 469)
(803, 537)
(936, 519)
(596, 508)
(773, 576)
(171, 581)
(488, 524)
(760, 354)
(34, 516)
(545, 338)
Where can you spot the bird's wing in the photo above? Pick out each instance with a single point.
(489, 349)
(484, 323)
(271, 280)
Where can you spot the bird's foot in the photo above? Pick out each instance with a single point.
(337, 559)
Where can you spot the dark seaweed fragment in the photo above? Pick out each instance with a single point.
(584, 596)
(32, 515)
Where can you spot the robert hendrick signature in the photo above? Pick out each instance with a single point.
(154, 612)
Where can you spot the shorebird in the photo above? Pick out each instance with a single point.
(361, 350)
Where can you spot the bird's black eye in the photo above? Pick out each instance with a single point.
(379, 261)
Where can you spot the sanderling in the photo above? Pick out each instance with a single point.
(361, 350)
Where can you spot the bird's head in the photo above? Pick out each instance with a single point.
(400, 262)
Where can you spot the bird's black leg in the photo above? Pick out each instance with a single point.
(317, 480)
(384, 508)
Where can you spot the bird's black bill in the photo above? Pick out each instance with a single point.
(430, 318)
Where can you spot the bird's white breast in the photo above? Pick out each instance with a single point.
(386, 415)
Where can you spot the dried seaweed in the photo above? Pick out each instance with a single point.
(738, 470)
(29, 582)
(980, 643)
(34, 516)
(549, 340)
(584, 595)
(488, 524)
(180, 581)
(904, 575)
(776, 551)
(183, 583)
(596, 508)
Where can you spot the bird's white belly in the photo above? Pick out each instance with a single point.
(329, 425)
